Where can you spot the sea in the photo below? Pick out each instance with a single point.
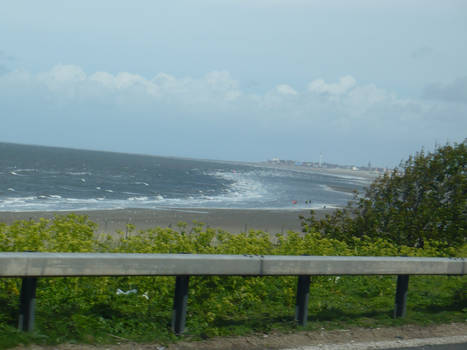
(38, 178)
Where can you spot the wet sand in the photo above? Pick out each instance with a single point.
(231, 220)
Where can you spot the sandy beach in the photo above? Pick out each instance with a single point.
(231, 220)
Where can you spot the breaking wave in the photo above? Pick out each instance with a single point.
(37, 180)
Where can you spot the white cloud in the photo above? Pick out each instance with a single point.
(214, 108)
(342, 99)
(104, 78)
(345, 83)
(220, 82)
(63, 74)
(285, 89)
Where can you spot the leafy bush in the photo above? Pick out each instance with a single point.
(424, 199)
(90, 309)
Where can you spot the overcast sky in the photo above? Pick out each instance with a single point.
(357, 81)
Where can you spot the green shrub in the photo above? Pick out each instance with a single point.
(424, 199)
(89, 309)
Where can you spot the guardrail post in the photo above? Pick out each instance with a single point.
(27, 304)
(301, 303)
(400, 306)
(180, 304)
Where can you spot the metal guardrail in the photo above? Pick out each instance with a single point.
(30, 266)
(116, 264)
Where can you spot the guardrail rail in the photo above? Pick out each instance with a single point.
(32, 265)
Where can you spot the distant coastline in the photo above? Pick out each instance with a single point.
(364, 174)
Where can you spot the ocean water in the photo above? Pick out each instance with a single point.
(36, 178)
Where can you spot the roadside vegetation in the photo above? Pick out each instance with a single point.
(418, 210)
(425, 198)
(110, 309)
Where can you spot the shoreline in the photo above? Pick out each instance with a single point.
(230, 220)
(368, 175)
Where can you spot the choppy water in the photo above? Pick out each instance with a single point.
(46, 178)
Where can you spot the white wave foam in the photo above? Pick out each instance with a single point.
(330, 189)
(47, 197)
(20, 172)
(352, 178)
(78, 173)
(15, 203)
(244, 187)
(57, 203)
(143, 198)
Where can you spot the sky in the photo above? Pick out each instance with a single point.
(355, 81)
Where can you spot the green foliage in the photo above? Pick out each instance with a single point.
(424, 200)
(89, 309)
